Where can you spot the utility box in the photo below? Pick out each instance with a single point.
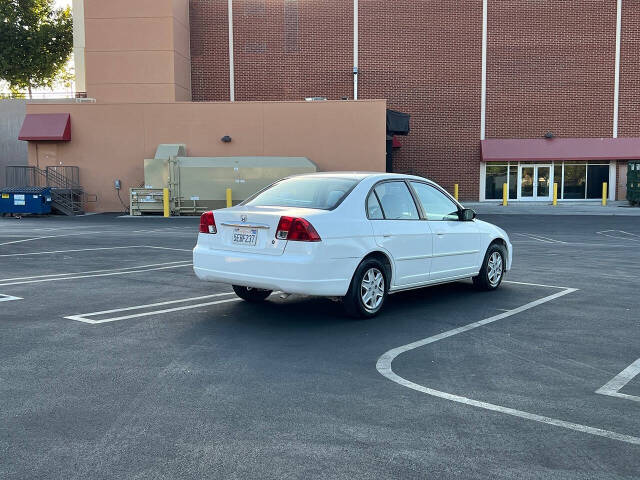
(25, 200)
(146, 201)
(198, 184)
(633, 183)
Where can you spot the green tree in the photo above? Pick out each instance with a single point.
(36, 41)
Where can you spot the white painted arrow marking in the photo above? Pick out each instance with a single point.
(8, 298)
(613, 387)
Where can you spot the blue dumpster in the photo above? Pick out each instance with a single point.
(23, 200)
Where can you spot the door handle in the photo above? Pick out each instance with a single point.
(386, 235)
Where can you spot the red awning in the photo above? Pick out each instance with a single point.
(46, 126)
(542, 149)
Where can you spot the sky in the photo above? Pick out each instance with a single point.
(63, 3)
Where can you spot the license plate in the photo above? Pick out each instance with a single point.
(245, 236)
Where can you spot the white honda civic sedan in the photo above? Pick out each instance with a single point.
(357, 236)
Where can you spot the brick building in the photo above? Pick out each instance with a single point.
(133, 62)
(558, 100)
(523, 92)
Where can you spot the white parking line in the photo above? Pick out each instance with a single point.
(49, 252)
(107, 232)
(540, 238)
(9, 298)
(384, 367)
(83, 317)
(38, 229)
(617, 235)
(612, 388)
(14, 235)
(620, 275)
(527, 235)
(170, 248)
(45, 237)
(95, 273)
(538, 285)
(90, 271)
(68, 251)
(547, 240)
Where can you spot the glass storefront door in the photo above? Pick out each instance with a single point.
(534, 182)
(543, 176)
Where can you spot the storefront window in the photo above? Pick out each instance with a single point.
(513, 182)
(534, 181)
(596, 176)
(575, 177)
(557, 177)
(495, 178)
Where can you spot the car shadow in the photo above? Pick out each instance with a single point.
(318, 326)
(296, 312)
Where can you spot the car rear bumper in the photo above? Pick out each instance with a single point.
(301, 274)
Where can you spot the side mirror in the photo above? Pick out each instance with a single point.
(467, 214)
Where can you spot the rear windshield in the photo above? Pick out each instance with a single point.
(309, 192)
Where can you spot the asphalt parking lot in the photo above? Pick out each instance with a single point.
(116, 362)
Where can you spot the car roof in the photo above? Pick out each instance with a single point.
(360, 175)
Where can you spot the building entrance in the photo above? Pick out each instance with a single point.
(534, 182)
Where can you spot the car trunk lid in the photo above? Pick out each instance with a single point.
(252, 229)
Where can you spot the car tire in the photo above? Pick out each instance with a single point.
(253, 295)
(368, 290)
(493, 268)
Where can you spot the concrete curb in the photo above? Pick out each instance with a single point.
(564, 208)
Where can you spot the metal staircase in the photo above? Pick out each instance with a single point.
(67, 196)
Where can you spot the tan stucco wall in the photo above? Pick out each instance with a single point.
(110, 141)
(137, 51)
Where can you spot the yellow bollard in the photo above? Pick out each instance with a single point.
(455, 191)
(229, 200)
(604, 194)
(165, 201)
(505, 195)
(555, 194)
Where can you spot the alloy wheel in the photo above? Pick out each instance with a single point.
(495, 268)
(372, 289)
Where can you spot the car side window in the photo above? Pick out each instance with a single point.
(374, 212)
(436, 205)
(396, 201)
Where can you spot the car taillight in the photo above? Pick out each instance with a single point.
(296, 229)
(207, 223)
